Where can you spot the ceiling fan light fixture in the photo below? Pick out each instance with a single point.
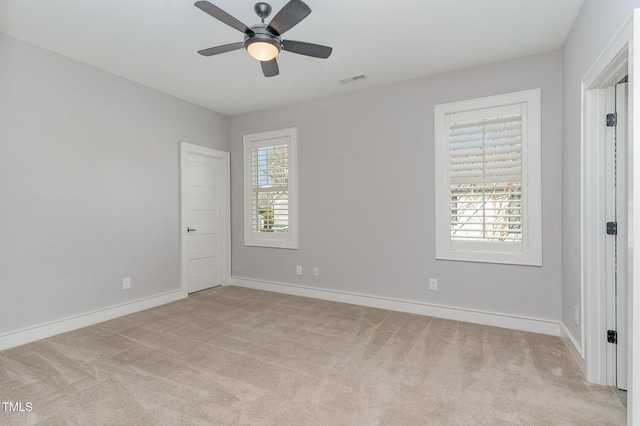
(262, 50)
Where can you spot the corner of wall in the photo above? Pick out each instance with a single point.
(574, 348)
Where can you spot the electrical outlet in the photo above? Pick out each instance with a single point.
(576, 315)
(298, 270)
(433, 284)
(126, 283)
(316, 271)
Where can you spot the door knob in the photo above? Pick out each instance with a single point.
(190, 230)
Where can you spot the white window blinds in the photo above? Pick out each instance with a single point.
(486, 146)
(270, 188)
(485, 167)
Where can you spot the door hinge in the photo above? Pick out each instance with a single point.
(612, 228)
(612, 336)
(612, 119)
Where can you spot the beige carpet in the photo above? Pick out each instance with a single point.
(238, 356)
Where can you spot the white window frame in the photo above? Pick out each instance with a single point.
(529, 252)
(288, 240)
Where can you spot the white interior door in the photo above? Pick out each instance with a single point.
(204, 190)
(622, 241)
(616, 247)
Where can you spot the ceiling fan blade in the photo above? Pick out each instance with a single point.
(308, 49)
(222, 16)
(289, 16)
(270, 68)
(221, 49)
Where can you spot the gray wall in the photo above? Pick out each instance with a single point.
(366, 185)
(595, 26)
(89, 186)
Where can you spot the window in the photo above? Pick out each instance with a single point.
(270, 213)
(487, 175)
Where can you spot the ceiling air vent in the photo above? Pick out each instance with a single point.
(352, 79)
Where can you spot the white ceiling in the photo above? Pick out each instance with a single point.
(154, 42)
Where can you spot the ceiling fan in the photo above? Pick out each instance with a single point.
(263, 41)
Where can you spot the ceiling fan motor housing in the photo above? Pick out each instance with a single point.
(260, 33)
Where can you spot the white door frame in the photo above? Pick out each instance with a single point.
(620, 58)
(225, 212)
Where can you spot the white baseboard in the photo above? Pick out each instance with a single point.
(576, 350)
(486, 318)
(533, 325)
(43, 331)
